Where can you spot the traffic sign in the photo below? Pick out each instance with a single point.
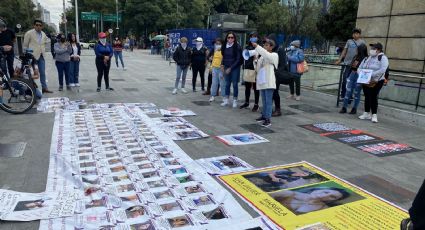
(111, 17)
(90, 16)
(110, 31)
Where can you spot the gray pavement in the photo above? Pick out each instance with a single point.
(150, 79)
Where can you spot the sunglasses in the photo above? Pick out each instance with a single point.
(38, 24)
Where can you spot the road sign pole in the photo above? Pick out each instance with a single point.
(77, 34)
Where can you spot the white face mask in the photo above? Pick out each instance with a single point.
(292, 47)
(102, 40)
(372, 52)
(217, 47)
(184, 45)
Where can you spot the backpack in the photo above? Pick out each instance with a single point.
(283, 76)
(387, 71)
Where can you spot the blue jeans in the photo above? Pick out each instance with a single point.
(181, 73)
(345, 75)
(267, 99)
(63, 68)
(217, 78)
(232, 78)
(118, 54)
(352, 87)
(74, 69)
(42, 69)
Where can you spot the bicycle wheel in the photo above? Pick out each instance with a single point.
(18, 96)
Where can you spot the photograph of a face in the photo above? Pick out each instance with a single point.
(156, 184)
(120, 178)
(131, 198)
(180, 221)
(173, 206)
(171, 162)
(163, 194)
(135, 211)
(96, 203)
(29, 205)
(126, 188)
(193, 189)
(203, 200)
(180, 170)
(143, 226)
(185, 179)
(150, 174)
(277, 179)
(215, 214)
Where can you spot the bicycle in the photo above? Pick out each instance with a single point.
(19, 95)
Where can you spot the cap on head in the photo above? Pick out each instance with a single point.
(101, 35)
(357, 30)
(296, 43)
(199, 39)
(377, 45)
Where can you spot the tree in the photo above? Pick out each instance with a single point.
(19, 12)
(272, 18)
(339, 22)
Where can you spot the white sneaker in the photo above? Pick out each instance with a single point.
(225, 102)
(183, 90)
(175, 91)
(77, 84)
(72, 85)
(211, 99)
(235, 103)
(365, 116)
(374, 118)
(298, 98)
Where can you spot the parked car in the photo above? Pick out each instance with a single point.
(85, 45)
(92, 43)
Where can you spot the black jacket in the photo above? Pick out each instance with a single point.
(249, 64)
(182, 57)
(199, 57)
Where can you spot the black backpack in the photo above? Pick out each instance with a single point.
(283, 76)
(387, 71)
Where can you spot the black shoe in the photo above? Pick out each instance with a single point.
(109, 89)
(98, 90)
(406, 224)
(343, 110)
(244, 105)
(260, 119)
(266, 123)
(277, 113)
(60, 88)
(68, 87)
(353, 111)
(194, 90)
(255, 108)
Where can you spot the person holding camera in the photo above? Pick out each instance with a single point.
(63, 52)
(7, 38)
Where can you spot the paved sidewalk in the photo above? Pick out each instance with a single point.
(151, 79)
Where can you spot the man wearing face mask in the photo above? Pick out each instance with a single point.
(199, 62)
(103, 51)
(182, 58)
(63, 52)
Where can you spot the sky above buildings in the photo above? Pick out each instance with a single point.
(55, 7)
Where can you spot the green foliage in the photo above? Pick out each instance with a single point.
(340, 21)
(19, 12)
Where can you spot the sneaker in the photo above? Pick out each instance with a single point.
(183, 90)
(211, 99)
(225, 102)
(255, 108)
(72, 85)
(109, 89)
(298, 98)
(60, 88)
(266, 123)
(374, 118)
(406, 224)
(235, 103)
(244, 105)
(353, 111)
(290, 97)
(174, 91)
(77, 84)
(260, 119)
(124, 68)
(98, 90)
(277, 113)
(365, 116)
(343, 110)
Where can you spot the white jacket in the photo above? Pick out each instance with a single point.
(269, 61)
(378, 67)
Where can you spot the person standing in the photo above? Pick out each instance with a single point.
(36, 40)
(231, 52)
(378, 62)
(103, 51)
(295, 56)
(266, 79)
(7, 38)
(249, 75)
(199, 62)
(182, 57)
(117, 46)
(347, 55)
(217, 73)
(74, 67)
(63, 52)
(416, 212)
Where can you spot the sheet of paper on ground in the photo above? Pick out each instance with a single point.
(176, 113)
(301, 194)
(223, 165)
(242, 139)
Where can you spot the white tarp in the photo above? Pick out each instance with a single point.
(176, 113)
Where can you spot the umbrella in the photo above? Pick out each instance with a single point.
(159, 37)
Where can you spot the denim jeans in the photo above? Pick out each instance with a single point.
(232, 78)
(267, 99)
(42, 69)
(217, 78)
(345, 75)
(181, 73)
(74, 69)
(352, 87)
(118, 54)
(63, 68)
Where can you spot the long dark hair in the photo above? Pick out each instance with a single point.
(70, 37)
(235, 41)
(362, 52)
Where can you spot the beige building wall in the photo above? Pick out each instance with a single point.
(400, 26)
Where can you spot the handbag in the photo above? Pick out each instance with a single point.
(249, 75)
(302, 67)
(283, 76)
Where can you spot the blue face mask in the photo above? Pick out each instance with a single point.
(253, 40)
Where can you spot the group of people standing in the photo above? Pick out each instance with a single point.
(226, 60)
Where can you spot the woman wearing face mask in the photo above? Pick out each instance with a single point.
(103, 51)
(63, 52)
(117, 46)
(217, 74)
(231, 52)
(199, 62)
(74, 67)
(266, 79)
(378, 62)
(295, 56)
(249, 75)
(182, 58)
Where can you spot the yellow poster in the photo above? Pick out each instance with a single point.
(303, 196)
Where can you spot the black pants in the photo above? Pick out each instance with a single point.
(102, 71)
(371, 97)
(9, 64)
(297, 82)
(248, 87)
(276, 97)
(417, 211)
(201, 69)
(209, 81)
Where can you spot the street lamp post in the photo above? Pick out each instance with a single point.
(77, 34)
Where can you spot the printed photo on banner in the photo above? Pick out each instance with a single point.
(242, 139)
(327, 127)
(180, 221)
(176, 113)
(386, 148)
(223, 164)
(353, 137)
(142, 226)
(215, 214)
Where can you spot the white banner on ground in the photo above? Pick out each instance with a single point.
(19, 206)
(242, 139)
(176, 113)
(223, 165)
(50, 105)
(178, 128)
